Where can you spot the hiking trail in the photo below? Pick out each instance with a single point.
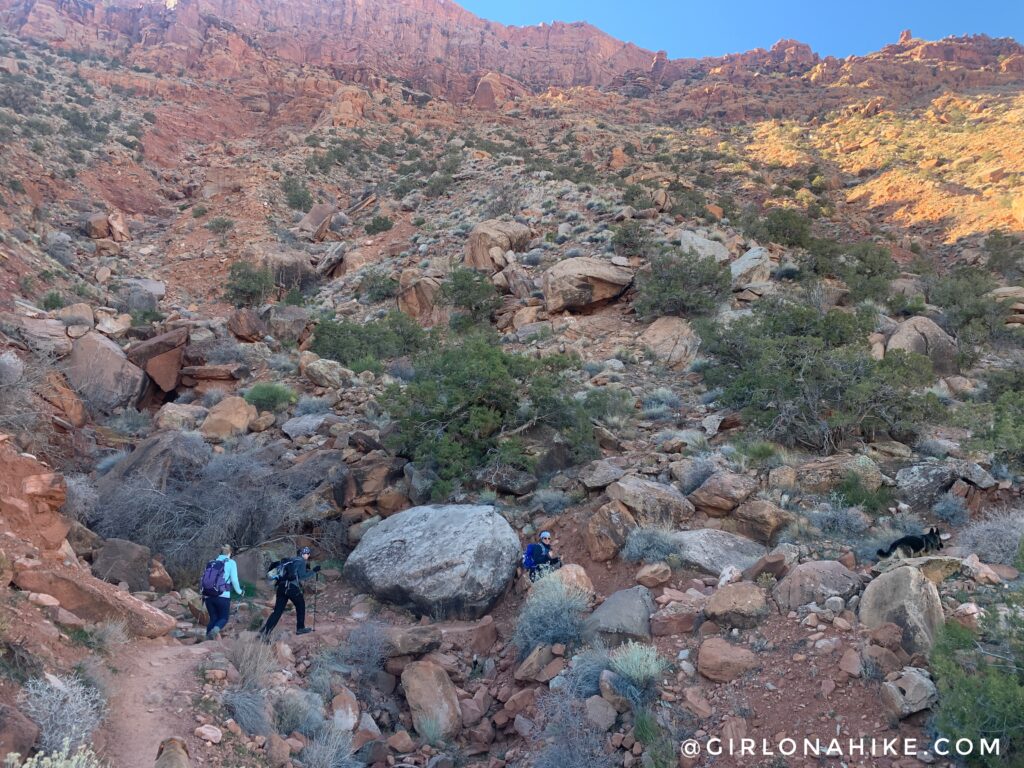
(151, 698)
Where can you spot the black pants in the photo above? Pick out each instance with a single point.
(285, 593)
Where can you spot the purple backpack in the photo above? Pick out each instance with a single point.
(214, 582)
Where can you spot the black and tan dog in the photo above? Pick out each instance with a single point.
(908, 546)
(173, 753)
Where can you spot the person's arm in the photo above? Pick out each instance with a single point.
(232, 571)
(301, 571)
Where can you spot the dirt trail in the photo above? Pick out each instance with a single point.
(150, 699)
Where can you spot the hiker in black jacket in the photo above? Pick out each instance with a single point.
(289, 587)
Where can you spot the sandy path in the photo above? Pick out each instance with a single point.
(150, 699)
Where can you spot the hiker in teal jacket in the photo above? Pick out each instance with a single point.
(219, 606)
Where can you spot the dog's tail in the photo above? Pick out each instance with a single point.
(887, 552)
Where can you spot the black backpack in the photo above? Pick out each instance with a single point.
(281, 571)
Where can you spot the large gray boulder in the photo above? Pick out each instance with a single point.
(905, 597)
(652, 504)
(154, 458)
(122, 560)
(922, 484)
(102, 375)
(710, 550)
(624, 615)
(814, 582)
(922, 335)
(448, 560)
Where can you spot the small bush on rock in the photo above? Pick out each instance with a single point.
(83, 757)
(640, 668)
(254, 661)
(248, 284)
(553, 613)
(584, 676)
(951, 509)
(298, 710)
(568, 738)
(331, 748)
(249, 709)
(379, 224)
(347, 342)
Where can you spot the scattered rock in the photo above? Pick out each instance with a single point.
(721, 661)
(741, 604)
(814, 582)
(905, 597)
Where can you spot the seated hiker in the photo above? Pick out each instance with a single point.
(288, 576)
(539, 558)
(219, 578)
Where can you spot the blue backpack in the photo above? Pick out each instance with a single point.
(214, 582)
(528, 556)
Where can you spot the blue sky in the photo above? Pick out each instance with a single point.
(687, 28)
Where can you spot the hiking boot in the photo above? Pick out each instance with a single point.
(213, 633)
(303, 631)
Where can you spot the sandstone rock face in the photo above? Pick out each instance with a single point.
(704, 247)
(228, 418)
(95, 601)
(814, 582)
(754, 266)
(583, 281)
(246, 325)
(824, 474)
(721, 661)
(905, 597)
(102, 375)
(680, 617)
(921, 335)
(432, 698)
(413, 559)
(495, 90)
(624, 615)
(122, 560)
(418, 295)
(672, 341)
(711, 551)
(175, 416)
(161, 357)
(327, 373)
(607, 530)
(760, 520)
(489, 242)
(722, 492)
(600, 474)
(651, 503)
(740, 605)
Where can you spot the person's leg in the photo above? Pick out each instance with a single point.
(279, 603)
(211, 611)
(223, 611)
(300, 608)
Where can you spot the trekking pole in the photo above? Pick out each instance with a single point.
(316, 594)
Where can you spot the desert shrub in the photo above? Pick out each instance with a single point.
(298, 710)
(105, 636)
(450, 417)
(269, 396)
(81, 497)
(53, 300)
(951, 509)
(330, 748)
(472, 292)
(248, 284)
(296, 193)
(1005, 254)
(131, 422)
(378, 224)
(552, 501)
(254, 660)
(999, 427)
(968, 308)
(867, 270)
(568, 738)
(696, 472)
(63, 757)
(839, 521)
(584, 676)
(248, 707)
(19, 380)
(198, 504)
(854, 493)
(681, 283)
(431, 731)
(220, 225)
(1000, 381)
(807, 378)
(308, 406)
(506, 198)
(997, 538)
(631, 239)
(377, 285)
(553, 613)
(981, 685)
(780, 225)
(350, 343)
(650, 545)
(66, 710)
(640, 668)
(364, 650)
